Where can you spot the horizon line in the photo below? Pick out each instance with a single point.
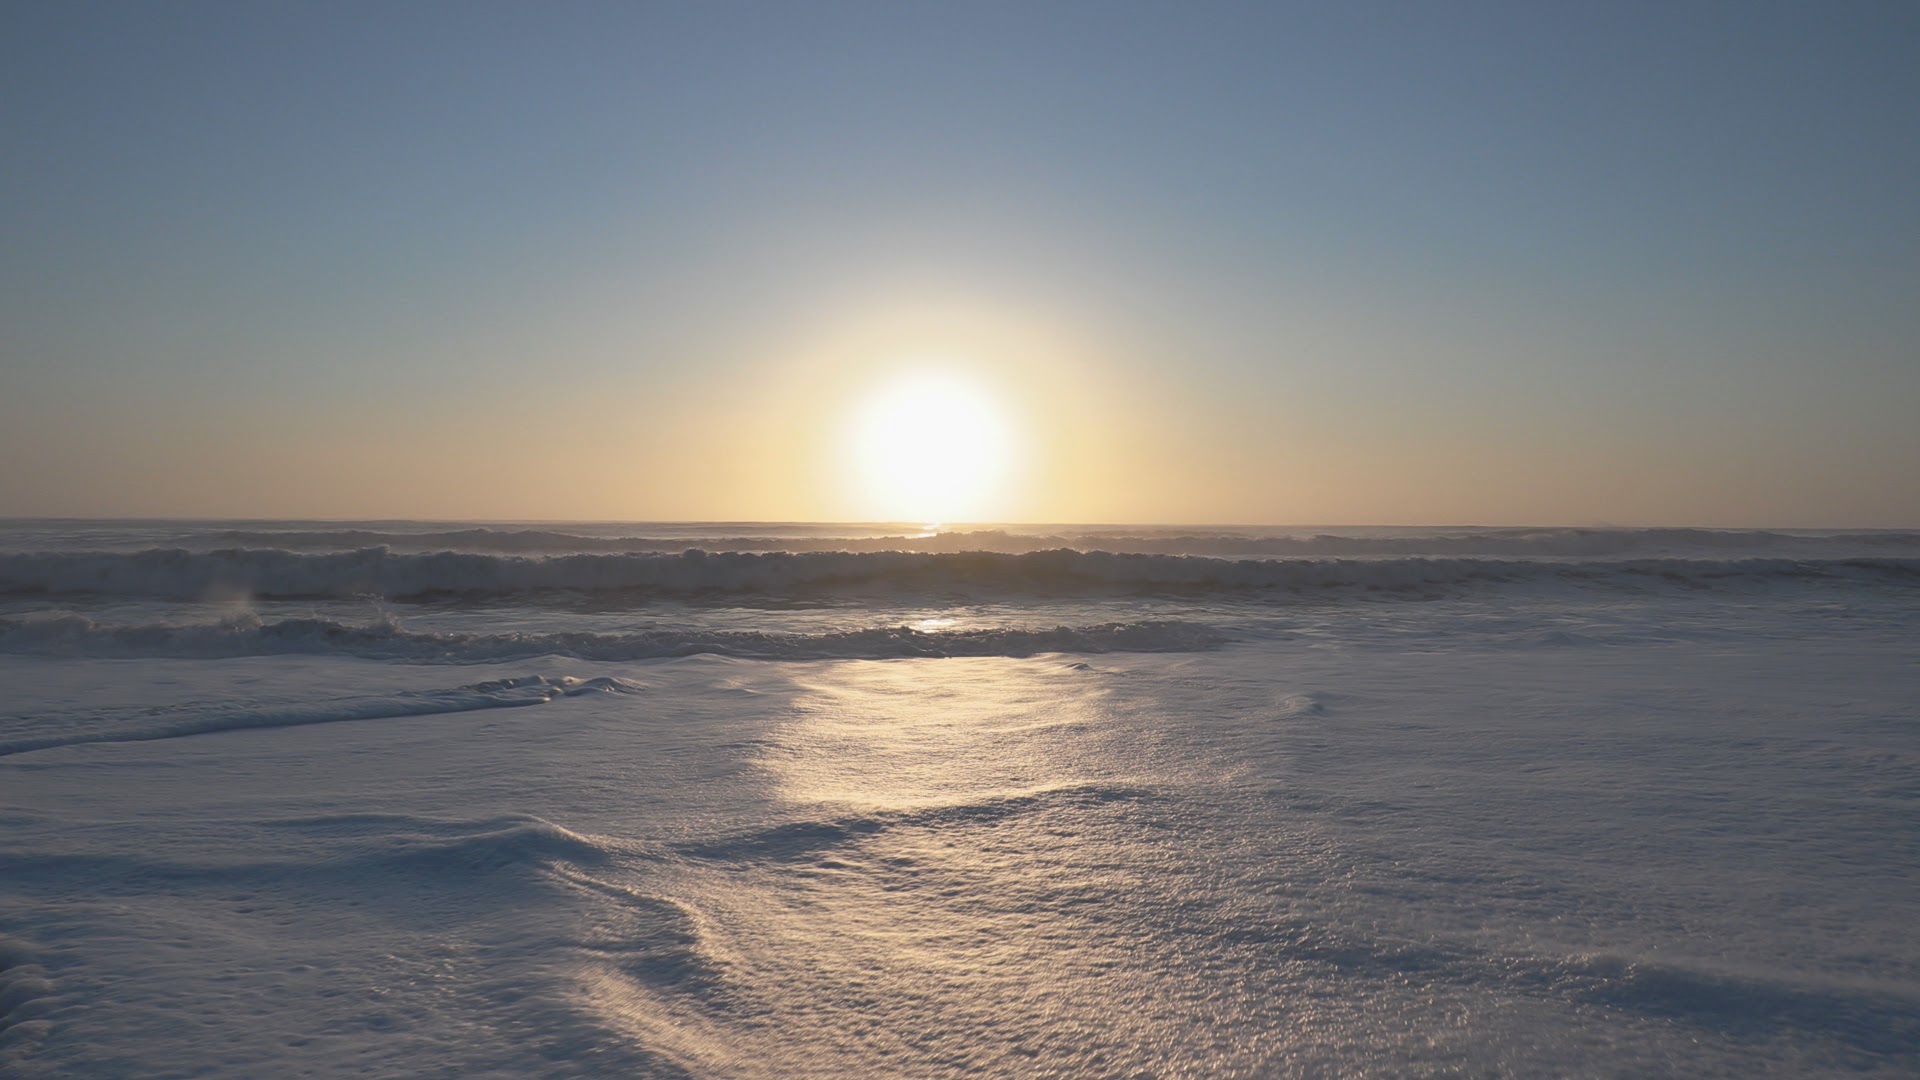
(936, 527)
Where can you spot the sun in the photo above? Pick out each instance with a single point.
(930, 445)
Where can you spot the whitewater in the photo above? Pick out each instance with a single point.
(811, 800)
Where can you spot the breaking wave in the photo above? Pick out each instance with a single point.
(383, 572)
(68, 634)
(149, 727)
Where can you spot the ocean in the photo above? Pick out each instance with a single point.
(802, 800)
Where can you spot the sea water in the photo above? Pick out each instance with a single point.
(769, 800)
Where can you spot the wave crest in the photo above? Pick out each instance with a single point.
(273, 573)
(1512, 543)
(68, 634)
(493, 694)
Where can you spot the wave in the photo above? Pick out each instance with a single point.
(1524, 543)
(1875, 1019)
(807, 837)
(398, 842)
(382, 572)
(493, 694)
(73, 635)
(385, 842)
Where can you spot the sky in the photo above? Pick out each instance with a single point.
(1353, 263)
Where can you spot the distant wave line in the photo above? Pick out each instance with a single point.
(382, 572)
(68, 634)
(1510, 542)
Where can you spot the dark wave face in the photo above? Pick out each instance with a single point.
(77, 636)
(1501, 543)
(384, 573)
(483, 593)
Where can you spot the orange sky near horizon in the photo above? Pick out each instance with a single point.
(1507, 264)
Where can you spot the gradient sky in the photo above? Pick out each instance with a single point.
(1334, 263)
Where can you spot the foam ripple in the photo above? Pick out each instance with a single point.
(806, 837)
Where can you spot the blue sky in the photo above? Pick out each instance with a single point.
(1284, 263)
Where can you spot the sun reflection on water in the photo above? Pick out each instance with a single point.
(948, 878)
(913, 733)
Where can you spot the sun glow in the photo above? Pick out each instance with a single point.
(931, 446)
